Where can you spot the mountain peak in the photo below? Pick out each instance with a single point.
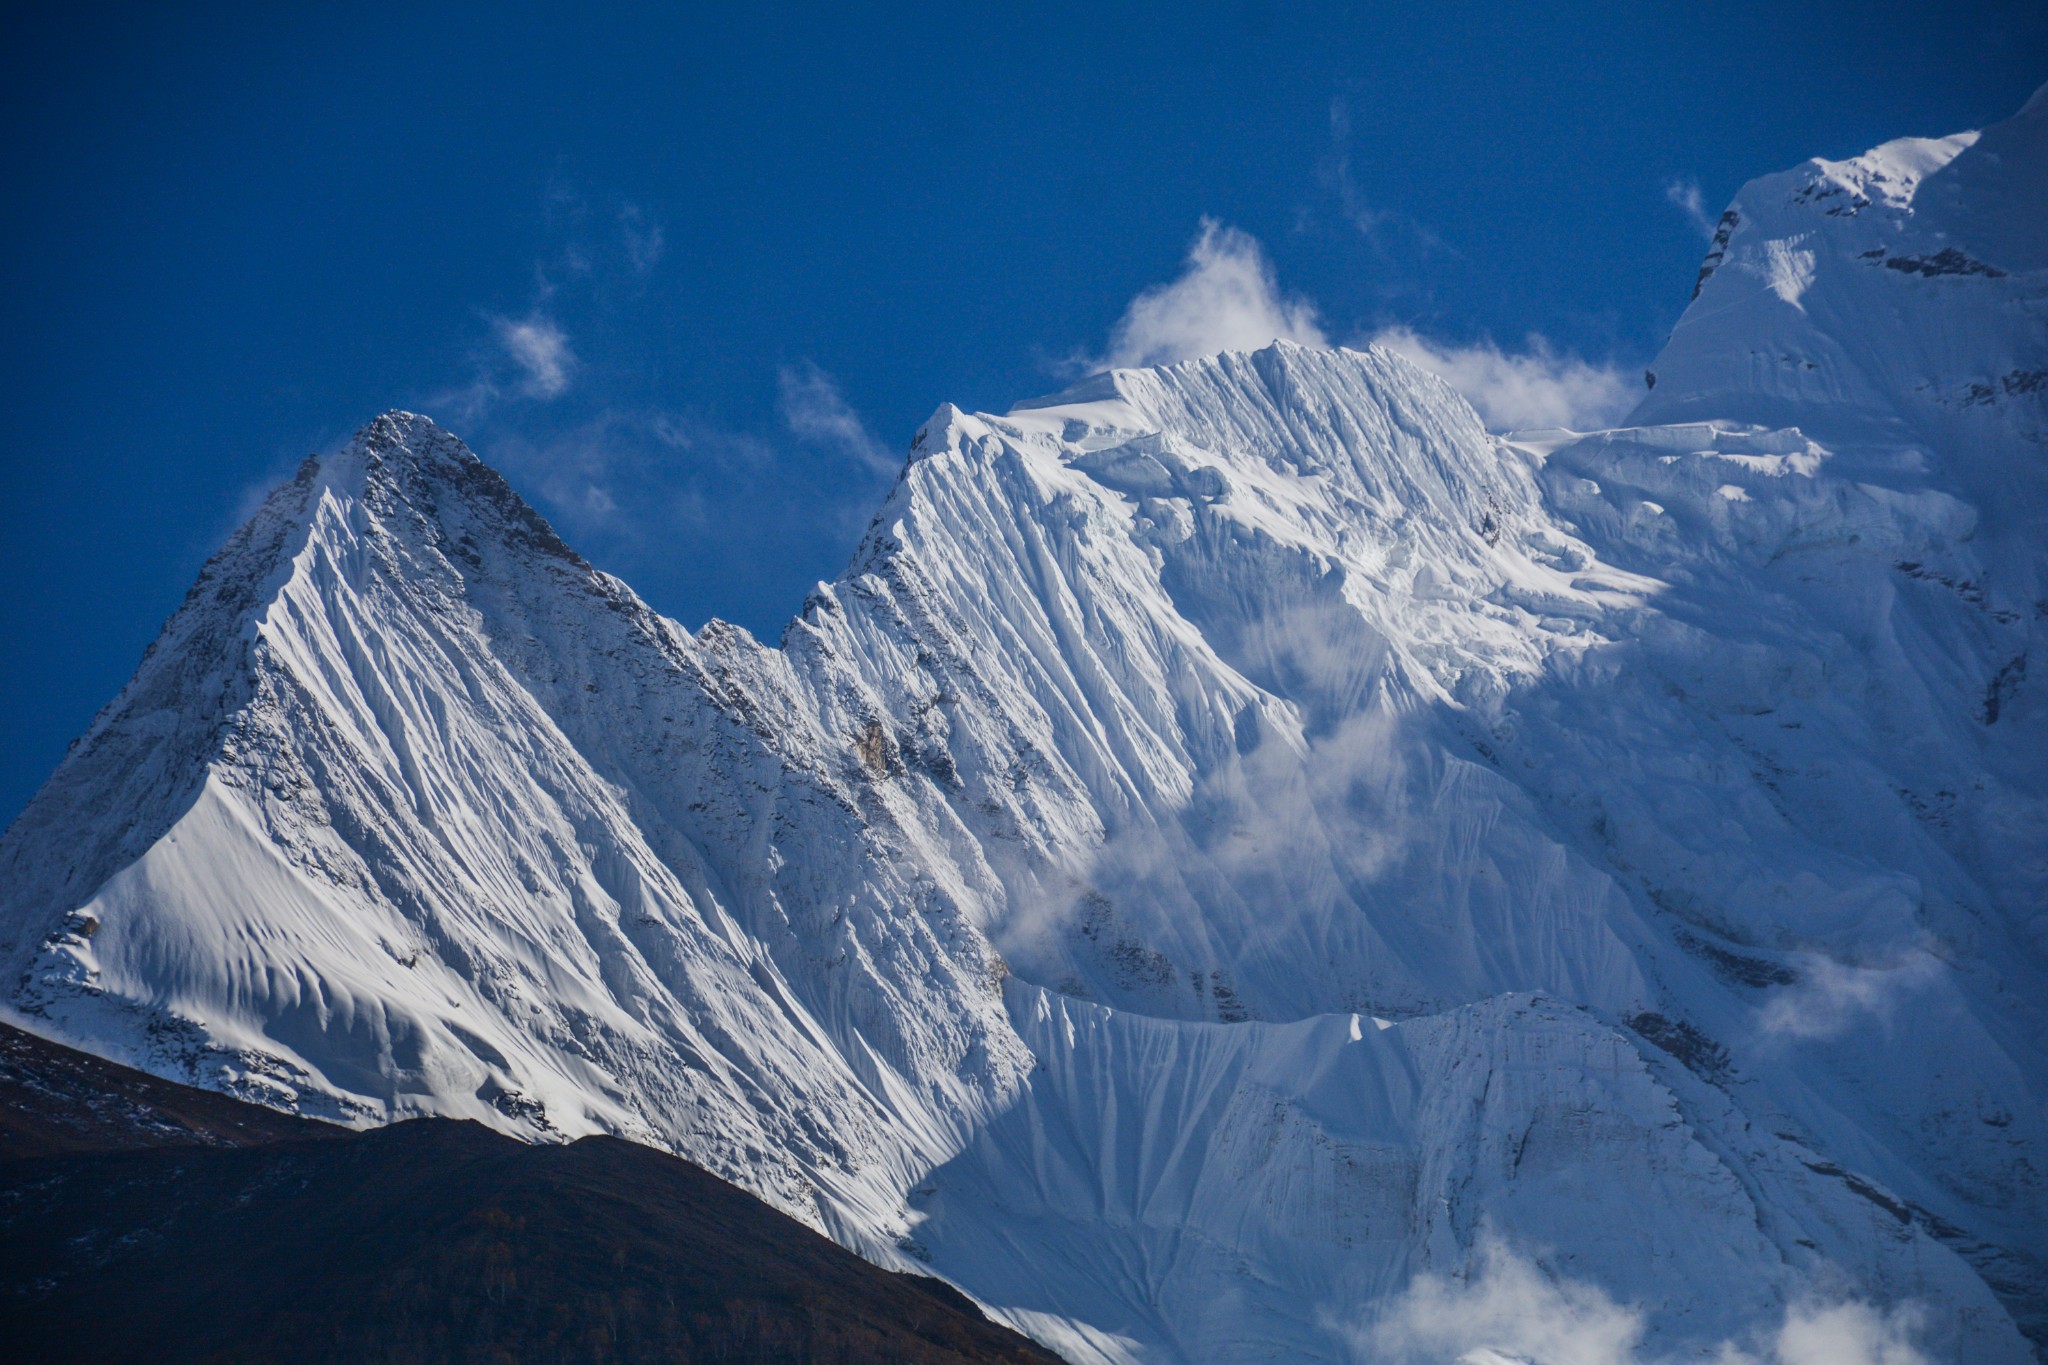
(397, 430)
(1236, 838)
(1889, 299)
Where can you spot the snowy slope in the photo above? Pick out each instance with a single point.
(1239, 845)
(398, 854)
(1491, 747)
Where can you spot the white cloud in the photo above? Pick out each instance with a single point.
(1848, 1334)
(1830, 998)
(1509, 1312)
(1225, 300)
(541, 351)
(816, 411)
(1683, 193)
(1539, 387)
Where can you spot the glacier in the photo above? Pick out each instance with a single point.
(1239, 842)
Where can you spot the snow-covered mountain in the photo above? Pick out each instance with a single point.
(1244, 864)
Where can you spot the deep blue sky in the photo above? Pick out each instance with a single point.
(232, 234)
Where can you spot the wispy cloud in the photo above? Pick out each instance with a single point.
(528, 356)
(1391, 234)
(1337, 173)
(1831, 998)
(642, 237)
(816, 411)
(594, 261)
(579, 470)
(1226, 299)
(1683, 193)
(608, 473)
(540, 352)
(1508, 1310)
(1539, 386)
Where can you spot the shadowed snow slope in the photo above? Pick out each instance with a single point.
(1237, 839)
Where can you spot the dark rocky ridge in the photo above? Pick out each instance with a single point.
(144, 1220)
(55, 1101)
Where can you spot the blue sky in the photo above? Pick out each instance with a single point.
(691, 275)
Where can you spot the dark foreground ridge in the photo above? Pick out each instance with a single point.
(143, 1220)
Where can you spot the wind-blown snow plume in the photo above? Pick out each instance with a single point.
(1539, 387)
(1225, 300)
